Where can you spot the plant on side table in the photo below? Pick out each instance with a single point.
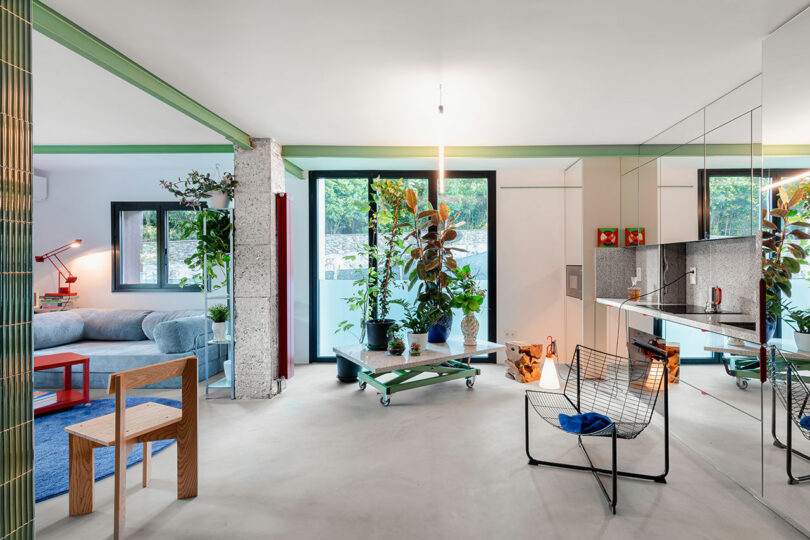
(467, 297)
(218, 313)
(799, 320)
(431, 260)
(782, 256)
(373, 289)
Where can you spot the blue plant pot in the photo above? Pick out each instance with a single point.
(770, 328)
(440, 331)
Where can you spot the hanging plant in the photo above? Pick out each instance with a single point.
(198, 186)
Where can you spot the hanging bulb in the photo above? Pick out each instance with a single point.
(441, 142)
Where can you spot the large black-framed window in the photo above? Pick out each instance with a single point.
(148, 248)
(336, 226)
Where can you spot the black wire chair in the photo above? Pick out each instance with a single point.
(623, 389)
(790, 388)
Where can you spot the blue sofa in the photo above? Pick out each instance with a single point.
(120, 339)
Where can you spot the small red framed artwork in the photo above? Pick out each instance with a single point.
(634, 236)
(608, 237)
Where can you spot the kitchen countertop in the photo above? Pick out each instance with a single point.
(703, 321)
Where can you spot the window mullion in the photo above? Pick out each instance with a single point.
(162, 218)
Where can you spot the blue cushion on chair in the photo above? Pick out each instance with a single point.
(584, 423)
(805, 422)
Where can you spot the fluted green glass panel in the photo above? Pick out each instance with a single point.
(16, 345)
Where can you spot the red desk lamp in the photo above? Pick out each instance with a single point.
(64, 273)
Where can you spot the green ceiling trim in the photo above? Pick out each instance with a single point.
(389, 152)
(55, 26)
(134, 149)
(294, 169)
(551, 151)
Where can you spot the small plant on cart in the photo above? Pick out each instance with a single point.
(395, 344)
(416, 349)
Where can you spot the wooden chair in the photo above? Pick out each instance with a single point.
(141, 424)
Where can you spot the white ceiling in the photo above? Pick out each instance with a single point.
(367, 71)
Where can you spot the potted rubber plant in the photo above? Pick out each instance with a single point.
(431, 261)
(782, 254)
(468, 297)
(202, 187)
(373, 288)
(218, 313)
(799, 320)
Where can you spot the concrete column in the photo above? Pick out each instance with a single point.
(260, 175)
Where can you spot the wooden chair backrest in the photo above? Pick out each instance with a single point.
(186, 368)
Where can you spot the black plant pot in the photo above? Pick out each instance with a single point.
(346, 371)
(377, 332)
(440, 331)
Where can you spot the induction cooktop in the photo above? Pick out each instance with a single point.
(686, 309)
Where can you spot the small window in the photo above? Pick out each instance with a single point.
(150, 248)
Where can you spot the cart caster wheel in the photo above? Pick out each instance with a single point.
(362, 385)
(742, 384)
(470, 382)
(385, 400)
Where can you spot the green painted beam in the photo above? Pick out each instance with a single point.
(506, 152)
(294, 169)
(134, 149)
(50, 23)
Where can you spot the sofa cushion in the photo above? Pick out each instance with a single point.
(113, 324)
(57, 328)
(178, 335)
(157, 317)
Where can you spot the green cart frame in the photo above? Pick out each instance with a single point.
(438, 363)
(446, 371)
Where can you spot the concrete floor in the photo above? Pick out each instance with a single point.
(325, 460)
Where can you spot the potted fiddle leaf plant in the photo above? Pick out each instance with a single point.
(468, 297)
(202, 187)
(373, 289)
(799, 320)
(431, 261)
(782, 254)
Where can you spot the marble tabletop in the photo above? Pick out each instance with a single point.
(716, 322)
(434, 353)
(788, 350)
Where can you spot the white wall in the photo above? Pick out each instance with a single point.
(573, 256)
(530, 256)
(78, 206)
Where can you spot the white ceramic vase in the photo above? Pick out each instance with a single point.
(802, 341)
(469, 327)
(216, 199)
(218, 329)
(420, 339)
(228, 367)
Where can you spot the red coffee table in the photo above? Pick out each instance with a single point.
(67, 397)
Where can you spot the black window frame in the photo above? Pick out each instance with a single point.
(433, 196)
(162, 208)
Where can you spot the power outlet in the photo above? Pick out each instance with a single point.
(693, 276)
(509, 334)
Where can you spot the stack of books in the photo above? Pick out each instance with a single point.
(56, 301)
(43, 399)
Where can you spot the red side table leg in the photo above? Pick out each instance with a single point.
(67, 384)
(86, 381)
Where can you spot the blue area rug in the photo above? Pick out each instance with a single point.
(51, 445)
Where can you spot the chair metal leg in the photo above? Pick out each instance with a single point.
(790, 451)
(614, 470)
